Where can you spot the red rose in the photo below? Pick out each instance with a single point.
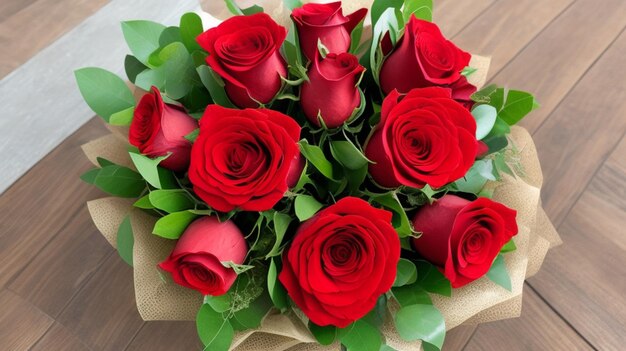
(196, 261)
(463, 237)
(423, 57)
(159, 128)
(295, 170)
(241, 158)
(341, 261)
(327, 23)
(244, 51)
(332, 90)
(424, 137)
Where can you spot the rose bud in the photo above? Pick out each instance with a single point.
(196, 261)
(327, 23)
(332, 90)
(463, 237)
(341, 261)
(423, 57)
(295, 170)
(423, 137)
(242, 158)
(159, 129)
(244, 51)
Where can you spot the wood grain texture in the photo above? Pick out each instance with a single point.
(21, 324)
(104, 315)
(537, 329)
(165, 336)
(452, 16)
(58, 338)
(552, 63)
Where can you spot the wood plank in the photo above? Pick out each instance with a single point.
(104, 315)
(10, 7)
(21, 323)
(506, 27)
(582, 132)
(57, 273)
(39, 205)
(457, 338)
(452, 16)
(165, 336)
(584, 279)
(38, 25)
(562, 53)
(539, 328)
(58, 338)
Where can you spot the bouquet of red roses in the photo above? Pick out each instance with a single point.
(320, 182)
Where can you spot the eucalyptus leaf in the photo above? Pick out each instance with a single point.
(406, 273)
(485, 116)
(142, 38)
(499, 274)
(325, 335)
(133, 67)
(173, 225)
(421, 322)
(292, 4)
(432, 280)
(361, 336)
(125, 241)
(180, 70)
(104, 92)
(151, 77)
(411, 295)
(214, 330)
(190, 28)
(215, 85)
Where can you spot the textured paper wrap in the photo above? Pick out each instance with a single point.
(481, 301)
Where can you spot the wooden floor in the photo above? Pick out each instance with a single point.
(63, 288)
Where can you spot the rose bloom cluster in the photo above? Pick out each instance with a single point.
(340, 261)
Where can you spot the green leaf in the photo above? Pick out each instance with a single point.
(306, 207)
(499, 274)
(251, 317)
(355, 38)
(156, 176)
(133, 67)
(277, 292)
(324, 335)
(173, 225)
(219, 303)
(281, 223)
(171, 200)
(233, 8)
(142, 38)
(190, 28)
(122, 118)
(215, 85)
(484, 95)
(421, 9)
(292, 4)
(379, 6)
(361, 336)
(103, 91)
(214, 330)
(400, 219)
(346, 153)
(144, 203)
(180, 70)
(468, 71)
(103, 162)
(411, 295)
(432, 280)
(406, 273)
(508, 247)
(517, 105)
(125, 241)
(476, 178)
(390, 21)
(485, 116)
(169, 35)
(193, 135)
(315, 155)
(252, 10)
(421, 322)
(238, 268)
(90, 176)
(151, 77)
(119, 181)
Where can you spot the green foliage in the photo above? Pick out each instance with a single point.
(104, 92)
(122, 118)
(508, 247)
(421, 322)
(215, 85)
(400, 219)
(485, 116)
(142, 38)
(220, 303)
(214, 330)
(432, 280)
(116, 180)
(306, 206)
(190, 28)
(133, 67)
(173, 225)
(324, 335)
(315, 155)
(171, 201)
(180, 70)
(149, 169)
(390, 21)
(421, 9)
(411, 295)
(125, 241)
(348, 155)
(277, 292)
(281, 223)
(292, 4)
(406, 273)
(499, 274)
(361, 336)
(476, 178)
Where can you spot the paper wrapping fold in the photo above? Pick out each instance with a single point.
(479, 302)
